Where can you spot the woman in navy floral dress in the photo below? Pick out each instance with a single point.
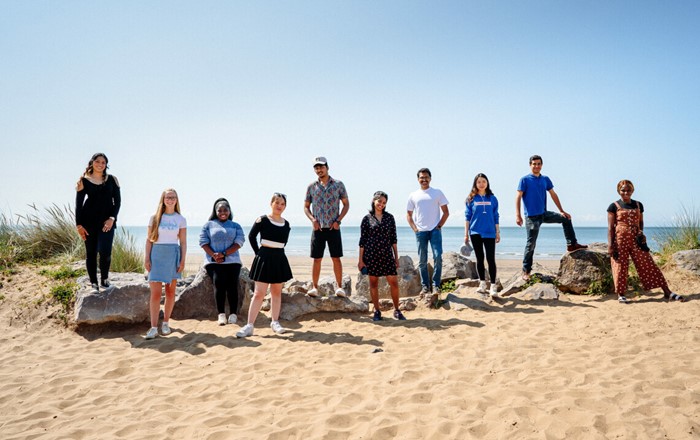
(379, 256)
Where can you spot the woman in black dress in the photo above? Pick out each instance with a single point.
(270, 266)
(96, 217)
(379, 255)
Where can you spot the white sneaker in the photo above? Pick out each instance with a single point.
(245, 331)
(232, 318)
(152, 333)
(222, 318)
(165, 329)
(277, 327)
(340, 292)
(313, 292)
(494, 291)
(482, 287)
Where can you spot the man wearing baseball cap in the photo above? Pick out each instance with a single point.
(322, 207)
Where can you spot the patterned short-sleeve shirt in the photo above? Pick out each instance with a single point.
(325, 200)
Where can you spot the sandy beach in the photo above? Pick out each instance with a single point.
(577, 368)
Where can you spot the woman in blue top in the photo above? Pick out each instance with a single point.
(221, 238)
(482, 228)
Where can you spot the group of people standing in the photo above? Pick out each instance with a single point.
(98, 201)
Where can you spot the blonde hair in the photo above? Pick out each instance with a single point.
(153, 235)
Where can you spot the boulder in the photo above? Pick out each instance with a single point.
(539, 291)
(516, 283)
(126, 300)
(456, 266)
(577, 270)
(296, 304)
(408, 277)
(327, 285)
(688, 260)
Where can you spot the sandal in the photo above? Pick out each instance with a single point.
(674, 297)
(622, 299)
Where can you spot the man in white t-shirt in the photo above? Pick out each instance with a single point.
(427, 212)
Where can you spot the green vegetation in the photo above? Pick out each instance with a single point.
(684, 234)
(62, 273)
(448, 286)
(50, 237)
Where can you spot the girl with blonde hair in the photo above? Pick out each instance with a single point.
(166, 248)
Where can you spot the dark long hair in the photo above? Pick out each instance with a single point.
(88, 169)
(376, 196)
(213, 215)
(474, 190)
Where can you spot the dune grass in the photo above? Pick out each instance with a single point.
(683, 234)
(49, 237)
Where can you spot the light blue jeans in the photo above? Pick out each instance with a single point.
(433, 237)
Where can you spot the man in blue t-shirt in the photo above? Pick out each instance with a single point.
(532, 190)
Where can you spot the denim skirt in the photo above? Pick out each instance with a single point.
(165, 258)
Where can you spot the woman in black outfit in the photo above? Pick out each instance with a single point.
(96, 217)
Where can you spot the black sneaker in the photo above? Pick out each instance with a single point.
(398, 315)
(105, 283)
(377, 316)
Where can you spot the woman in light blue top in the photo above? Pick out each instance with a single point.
(166, 247)
(482, 227)
(221, 238)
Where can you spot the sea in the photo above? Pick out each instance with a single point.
(550, 242)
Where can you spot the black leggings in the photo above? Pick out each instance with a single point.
(490, 245)
(225, 279)
(98, 241)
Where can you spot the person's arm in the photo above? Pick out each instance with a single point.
(641, 222)
(79, 200)
(409, 217)
(343, 212)
(555, 199)
(149, 245)
(310, 216)
(445, 214)
(496, 217)
(467, 220)
(116, 205)
(396, 254)
(253, 235)
(182, 235)
(611, 233)
(466, 231)
(364, 230)
(518, 217)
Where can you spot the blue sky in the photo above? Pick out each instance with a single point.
(234, 99)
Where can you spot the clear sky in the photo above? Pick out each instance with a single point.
(235, 98)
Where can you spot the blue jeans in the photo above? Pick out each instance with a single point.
(532, 225)
(433, 237)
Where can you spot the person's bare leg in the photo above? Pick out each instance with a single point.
(154, 305)
(256, 302)
(316, 271)
(276, 301)
(394, 286)
(338, 271)
(169, 300)
(374, 291)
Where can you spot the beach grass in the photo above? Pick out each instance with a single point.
(49, 237)
(684, 234)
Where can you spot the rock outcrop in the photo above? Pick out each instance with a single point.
(688, 261)
(577, 270)
(408, 277)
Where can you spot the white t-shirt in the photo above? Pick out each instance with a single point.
(169, 228)
(426, 206)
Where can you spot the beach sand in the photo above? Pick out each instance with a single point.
(577, 368)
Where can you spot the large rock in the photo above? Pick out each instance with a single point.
(327, 285)
(577, 270)
(127, 299)
(539, 291)
(408, 277)
(688, 260)
(296, 304)
(456, 266)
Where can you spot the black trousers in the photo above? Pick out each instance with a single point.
(225, 279)
(489, 245)
(100, 242)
